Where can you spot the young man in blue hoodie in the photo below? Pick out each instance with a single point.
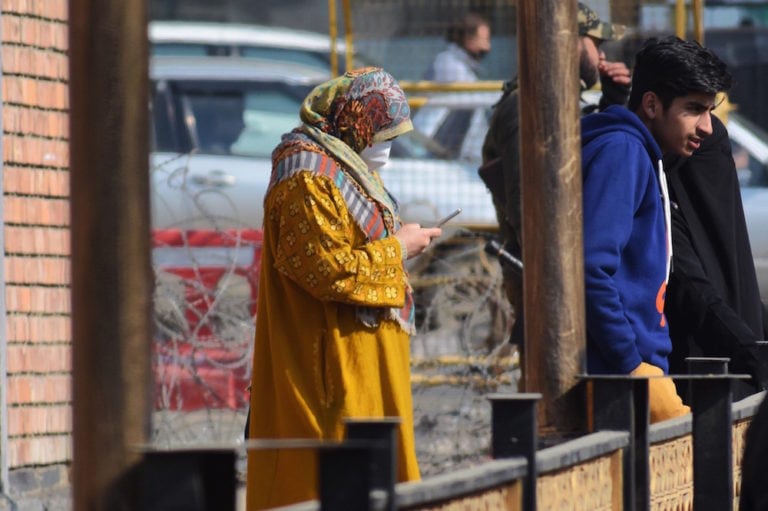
(627, 232)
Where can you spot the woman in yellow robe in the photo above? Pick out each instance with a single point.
(335, 308)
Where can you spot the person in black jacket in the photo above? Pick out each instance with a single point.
(713, 302)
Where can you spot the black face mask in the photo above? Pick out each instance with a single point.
(478, 55)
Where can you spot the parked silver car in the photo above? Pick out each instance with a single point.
(277, 44)
(216, 122)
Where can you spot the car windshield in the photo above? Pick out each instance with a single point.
(244, 119)
(750, 151)
(187, 50)
(225, 118)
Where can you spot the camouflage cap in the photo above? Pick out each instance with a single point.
(591, 25)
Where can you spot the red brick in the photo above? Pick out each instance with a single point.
(11, 28)
(28, 181)
(33, 92)
(35, 151)
(48, 9)
(26, 120)
(39, 359)
(37, 240)
(36, 186)
(26, 61)
(34, 32)
(38, 329)
(29, 389)
(39, 450)
(36, 211)
(37, 270)
(23, 421)
(30, 299)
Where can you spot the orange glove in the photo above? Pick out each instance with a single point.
(663, 401)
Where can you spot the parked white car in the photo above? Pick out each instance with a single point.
(277, 44)
(216, 122)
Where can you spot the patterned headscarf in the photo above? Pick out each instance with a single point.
(340, 118)
(361, 107)
(349, 113)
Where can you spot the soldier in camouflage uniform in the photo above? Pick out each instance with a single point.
(501, 150)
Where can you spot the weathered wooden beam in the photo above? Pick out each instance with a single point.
(111, 272)
(552, 212)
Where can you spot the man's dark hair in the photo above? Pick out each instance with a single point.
(464, 26)
(672, 68)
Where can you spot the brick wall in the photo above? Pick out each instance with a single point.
(37, 242)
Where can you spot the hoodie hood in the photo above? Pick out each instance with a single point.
(619, 118)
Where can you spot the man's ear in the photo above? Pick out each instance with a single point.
(650, 105)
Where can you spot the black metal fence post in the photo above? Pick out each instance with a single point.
(712, 441)
(704, 365)
(762, 347)
(345, 476)
(707, 365)
(194, 480)
(383, 432)
(514, 433)
(620, 403)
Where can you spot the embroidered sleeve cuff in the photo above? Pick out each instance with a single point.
(403, 249)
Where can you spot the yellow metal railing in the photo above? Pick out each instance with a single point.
(413, 88)
(681, 19)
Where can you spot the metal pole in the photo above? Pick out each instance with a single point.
(333, 33)
(621, 403)
(383, 436)
(681, 19)
(345, 477)
(712, 442)
(698, 20)
(552, 212)
(513, 433)
(704, 365)
(111, 272)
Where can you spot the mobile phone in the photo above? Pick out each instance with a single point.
(445, 219)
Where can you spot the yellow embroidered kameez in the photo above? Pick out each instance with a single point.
(315, 362)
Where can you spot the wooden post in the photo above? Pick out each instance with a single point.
(626, 12)
(349, 62)
(111, 272)
(552, 212)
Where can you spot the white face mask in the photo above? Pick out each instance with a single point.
(377, 155)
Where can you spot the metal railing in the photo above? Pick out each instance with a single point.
(683, 463)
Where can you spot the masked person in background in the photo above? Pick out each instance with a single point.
(713, 301)
(458, 131)
(335, 310)
(501, 149)
(469, 41)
